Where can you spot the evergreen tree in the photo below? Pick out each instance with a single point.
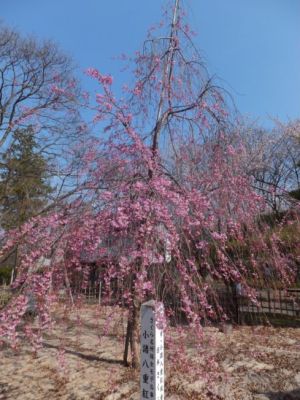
(24, 186)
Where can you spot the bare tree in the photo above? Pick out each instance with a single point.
(38, 93)
(273, 161)
(37, 89)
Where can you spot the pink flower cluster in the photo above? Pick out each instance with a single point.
(103, 79)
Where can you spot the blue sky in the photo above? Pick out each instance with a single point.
(252, 45)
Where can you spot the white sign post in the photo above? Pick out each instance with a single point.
(152, 351)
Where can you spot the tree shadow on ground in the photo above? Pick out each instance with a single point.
(87, 357)
(291, 395)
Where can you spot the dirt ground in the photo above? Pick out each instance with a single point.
(261, 363)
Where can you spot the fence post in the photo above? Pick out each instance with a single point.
(280, 302)
(100, 286)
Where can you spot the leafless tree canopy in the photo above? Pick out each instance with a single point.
(36, 89)
(273, 161)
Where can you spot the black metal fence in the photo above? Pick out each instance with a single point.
(272, 305)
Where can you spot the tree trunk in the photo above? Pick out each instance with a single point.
(127, 341)
(15, 267)
(12, 275)
(132, 336)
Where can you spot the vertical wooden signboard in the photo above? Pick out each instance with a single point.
(152, 352)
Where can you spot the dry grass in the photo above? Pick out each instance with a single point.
(255, 363)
